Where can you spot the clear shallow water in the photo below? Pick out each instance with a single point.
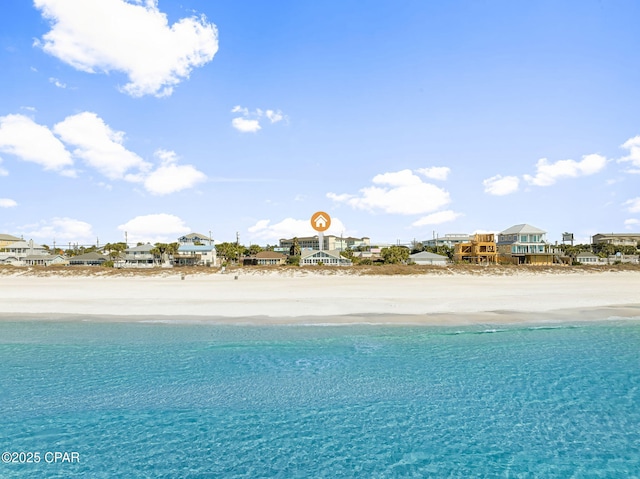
(204, 401)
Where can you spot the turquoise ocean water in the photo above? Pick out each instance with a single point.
(156, 400)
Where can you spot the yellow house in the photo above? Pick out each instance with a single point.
(6, 240)
(481, 249)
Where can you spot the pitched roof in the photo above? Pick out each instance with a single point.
(4, 237)
(330, 253)
(91, 256)
(24, 244)
(523, 228)
(195, 235)
(42, 257)
(427, 255)
(269, 255)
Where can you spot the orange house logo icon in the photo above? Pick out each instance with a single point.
(320, 221)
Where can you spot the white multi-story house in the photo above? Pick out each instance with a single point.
(16, 252)
(524, 244)
(137, 257)
(196, 255)
(329, 242)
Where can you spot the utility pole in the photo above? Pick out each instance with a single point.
(238, 247)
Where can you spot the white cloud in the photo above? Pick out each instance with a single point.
(169, 177)
(401, 192)
(61, 230)
(501, 185)
(155, 228)
(397, 178)
(633, 145)
(485, 232)
(7, 203)
(246, 126)
(435, 172)
(548, 173)
(263, 230)
(249, 122)
(274, 116)
(98, 145)
(3, 172)
(116, 35)
(437, 218)
(631, 222)
(24, 138)
(57, 83)
(240, 109)
(633, 205)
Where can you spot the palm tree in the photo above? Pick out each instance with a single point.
(295, 248)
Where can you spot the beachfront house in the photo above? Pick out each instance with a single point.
(588, 258)
(88, 259)
(45, 260)
(327, 258)
(16, 252)
(191, 254)
(430, 259)
(524, 244)
(480, 250)
(137, 257)
(265, 258)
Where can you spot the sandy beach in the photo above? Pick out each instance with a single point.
(316, 298)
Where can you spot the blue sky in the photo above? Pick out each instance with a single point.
(400, 119)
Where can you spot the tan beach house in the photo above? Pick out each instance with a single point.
(480, 250)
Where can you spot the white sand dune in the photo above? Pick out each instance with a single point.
(321, 298)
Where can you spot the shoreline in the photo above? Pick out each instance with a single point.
(488, 318)
(317, 298)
